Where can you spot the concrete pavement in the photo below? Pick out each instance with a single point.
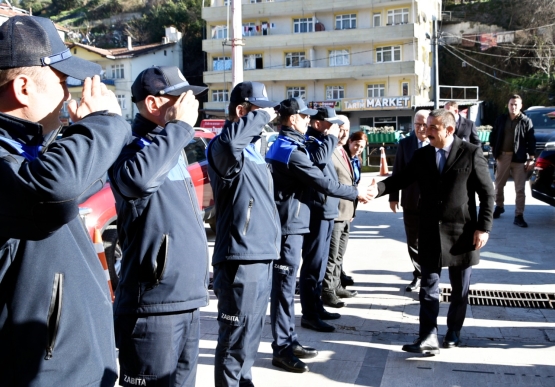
(501, 346)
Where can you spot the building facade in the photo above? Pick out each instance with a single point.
(368, 58)
(120, 66)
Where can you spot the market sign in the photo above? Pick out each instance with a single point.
(377, 103)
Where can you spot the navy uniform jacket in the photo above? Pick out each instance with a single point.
(165, 253)
(295, 175)
(448, 217)
(248, 227)
(56, 323)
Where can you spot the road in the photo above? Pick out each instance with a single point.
(502, 346)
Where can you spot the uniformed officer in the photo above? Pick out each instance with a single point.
(295, 173)
(165, 255)
(316, 244)
(247, 232)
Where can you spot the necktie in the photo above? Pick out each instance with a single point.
(442, 160)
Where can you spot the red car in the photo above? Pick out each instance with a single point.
(99, 211)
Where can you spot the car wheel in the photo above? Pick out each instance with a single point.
(112, 250)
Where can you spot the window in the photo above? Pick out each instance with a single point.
(252, 62)
(117, 71)
(296, 91)
(339, 58)
(303, 25)
(219, 32)
(335, 92)
(345, 22)
(221, 63)
(226, 2)
(195, 151)
(121, 100)
(388, 54)
(249, 29)
(405, 88)
(220, 96)
(256, 1)
(377, 90)
(377, 20)
(294, 59)
(398, 16)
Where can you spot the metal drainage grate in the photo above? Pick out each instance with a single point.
(504, 298)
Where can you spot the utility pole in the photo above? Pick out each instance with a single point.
(236, 43)
(435, 43)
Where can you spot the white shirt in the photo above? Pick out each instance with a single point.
(423, 143)
(447, 148)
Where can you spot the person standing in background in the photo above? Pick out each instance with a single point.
(410, 195)
(465, 129)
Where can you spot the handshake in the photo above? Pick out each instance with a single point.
(368, 193)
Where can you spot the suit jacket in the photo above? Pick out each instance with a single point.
(411, 194)
(345, 175)
(466, 130)
(448, 217)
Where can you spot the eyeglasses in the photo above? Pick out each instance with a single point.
(419, 125)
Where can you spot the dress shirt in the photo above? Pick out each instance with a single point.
(446, 148)
(422, 143)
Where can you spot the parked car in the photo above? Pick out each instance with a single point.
(542, 181)
(99, 211)
(543, 119)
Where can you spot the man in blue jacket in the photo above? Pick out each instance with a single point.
(247, 233)
(56, 324)
(164, 271)
(295, 174)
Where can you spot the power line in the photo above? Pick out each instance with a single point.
(483, 64)
(493, 76)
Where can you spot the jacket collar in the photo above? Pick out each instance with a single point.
(144, 128)
(23, 131)
(292, 133)
(454, 154)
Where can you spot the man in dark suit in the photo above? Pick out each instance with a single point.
(465, 129)
(449, 172)
(411, 194)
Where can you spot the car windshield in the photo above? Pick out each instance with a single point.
(542, 119)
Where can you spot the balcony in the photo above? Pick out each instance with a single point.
(293, 7)
(363, 72)
(326, 38)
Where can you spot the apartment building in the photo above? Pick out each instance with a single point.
(370, 59)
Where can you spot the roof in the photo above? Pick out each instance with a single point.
(119, 53)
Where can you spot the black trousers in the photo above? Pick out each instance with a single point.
(243, 290)
(429, 298)
(411, 218)
(316, 247)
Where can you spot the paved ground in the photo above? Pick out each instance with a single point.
(501, 346)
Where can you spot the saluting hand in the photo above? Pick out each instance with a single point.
(185, 109)
(96, 97)
(333, 131)
(271, 112)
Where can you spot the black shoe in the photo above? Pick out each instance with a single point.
(325, 315)
(331, 300)
(452, 339)
(428, 345)
(346, 280)
(344, 293)
(519, 221)
(291, 364)
(497, 212)
(317, 325)
(304, 352)
(415, 284)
